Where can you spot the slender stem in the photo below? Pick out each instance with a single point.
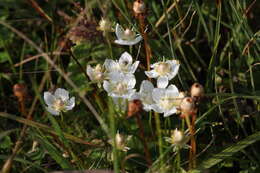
(159, 134)
(142, 136)
(80, 66)
(112, 136)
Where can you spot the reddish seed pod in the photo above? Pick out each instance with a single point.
(20, 91)
(134, 107)
(139, 7)
(187, 106)
(197, 90)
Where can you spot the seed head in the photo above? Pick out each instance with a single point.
(187, 105)
(197, 90)
(20, 91)
(139, 7)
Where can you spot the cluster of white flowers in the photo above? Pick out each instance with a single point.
(118, 80)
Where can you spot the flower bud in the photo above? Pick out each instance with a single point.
(105, 25)
(177, 136)
(197, 90)
(187, 105)
(139, 7)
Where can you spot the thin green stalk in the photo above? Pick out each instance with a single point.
(159, 134)
(112, 130)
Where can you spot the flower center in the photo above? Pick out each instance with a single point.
(120, 88)
(163, 68)
(58, 104)
(128, 35)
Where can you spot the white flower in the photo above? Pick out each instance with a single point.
(124, 65)
(120, 85)
(105, 25)
(127, 36)
(59, 102)
(145, 95)
(166, 100)
(96, 74)
(164, 71)
(178, 139)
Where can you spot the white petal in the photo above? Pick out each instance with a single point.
(135, 96)
(48, 98)
(134, 66)
(116, 76)
(111, 65)
(170, 112)
(129, 94)
(131, 81)
(158, 93)
(172, 91)
(162, 82)
(137, 39)
(62, 93)
(90, 72)
(147, 107)
(146, 86)
(151, 74)
(124, 42)
(125, 58)
(52, 111)
(157, 109)
(70, 104)
(119, 31)
(174, 70)
(106, 86)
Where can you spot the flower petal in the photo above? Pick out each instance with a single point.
(174, 70)
(162, 82)
(151, 74)
(172, 91)
(146, 86)
(158, 93)
(111, 65)
(90, 72)
(119, 31)
(134, 66)
(70, 104)
(170, 112)
(131, 81)
(52, 111)
(106, 86)
(48, 98)
(157, 109)
(62, 93)
(125, 59)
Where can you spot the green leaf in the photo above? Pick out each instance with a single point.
(6, 142)
(226, 153)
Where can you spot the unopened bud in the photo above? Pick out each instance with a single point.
(187, 105)
(139, 7)
(197, 90)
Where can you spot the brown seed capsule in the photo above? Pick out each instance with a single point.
(20, 91)
(134, 107)
(139, 7)
(197, 90)
(187, 106)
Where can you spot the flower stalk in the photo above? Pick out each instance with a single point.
(142, 136)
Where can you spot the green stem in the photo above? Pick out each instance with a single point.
(159, 133)
(112, 135)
